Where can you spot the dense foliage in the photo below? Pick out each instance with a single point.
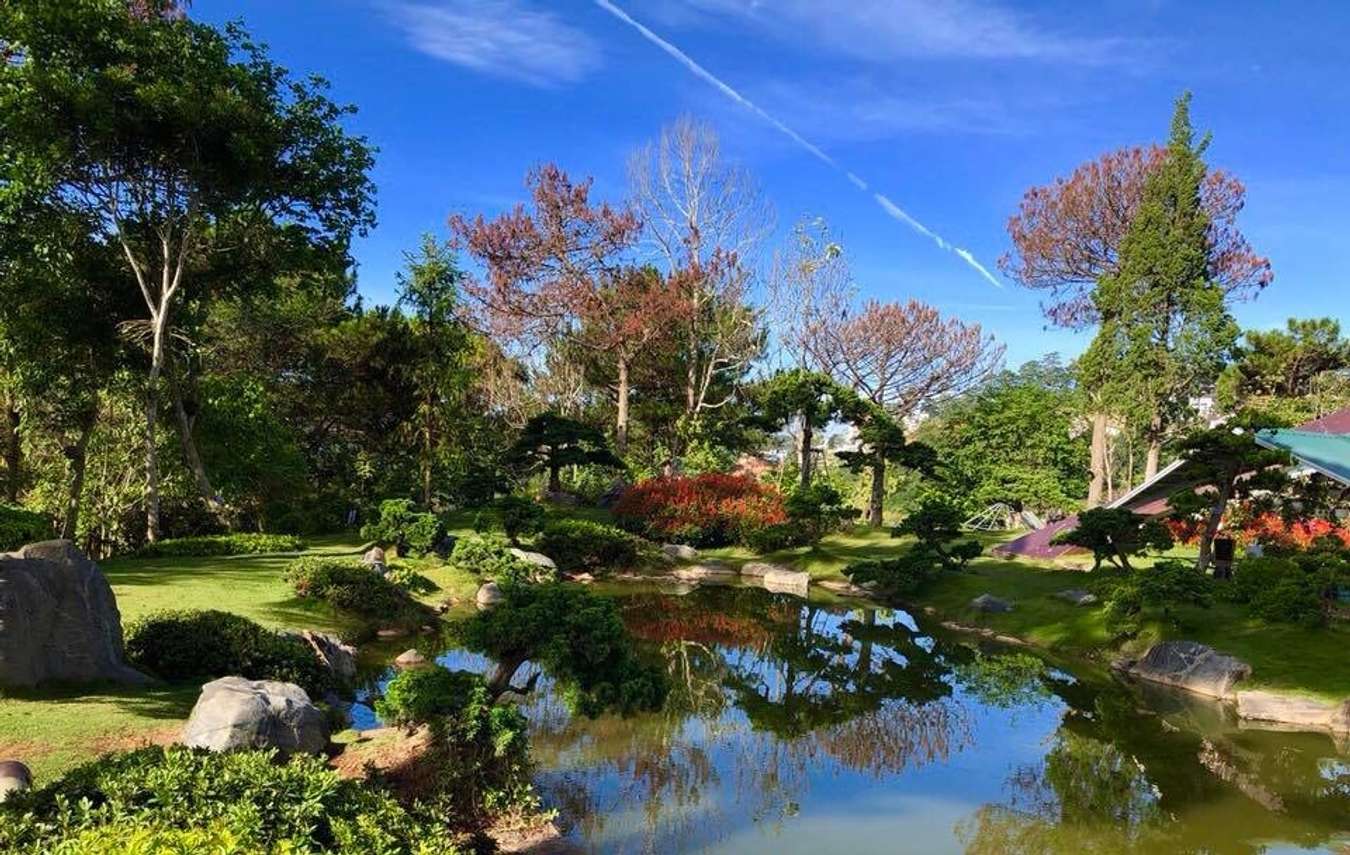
(1116, 535)
(348, 585)
(19, 527)
(519, 516)
(397, 523)
(711, 509)
(179, 799)
(583, 545)
(491, 558)
(1162, 587)
(182, 645)
(221, 544)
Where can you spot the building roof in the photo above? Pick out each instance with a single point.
(1337, 422)
(1328, 453)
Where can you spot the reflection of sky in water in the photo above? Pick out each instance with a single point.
(791, 730)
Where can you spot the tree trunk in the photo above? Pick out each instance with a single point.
(13, 452)
(1212, 524)
(554, 478)
(621, 421)
(151, 460)
(1154, 448)
(427, 440)
(878, 497)
(1097, 486)
(191, 457)
(804, 453)
(78, 455)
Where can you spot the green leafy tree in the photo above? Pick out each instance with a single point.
(181, 145)
(881, 442)
(936, 526)
(1165, 327)
(575, 637)
(810, 398)
(1295, 374)
(549, 442)
(1115, 535)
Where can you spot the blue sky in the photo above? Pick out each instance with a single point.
(949, 109)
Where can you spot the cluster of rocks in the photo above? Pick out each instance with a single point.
(708, 571)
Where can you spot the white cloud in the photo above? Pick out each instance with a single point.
(503, 38)
(885, 30)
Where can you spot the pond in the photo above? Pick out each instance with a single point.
(794, 726)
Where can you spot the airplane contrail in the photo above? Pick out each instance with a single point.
(893, 210)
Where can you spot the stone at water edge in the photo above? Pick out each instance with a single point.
(785, 581)
(546, 570)
(58, 619)
(761, 568)
(374, 555)
(391, 632)
(338, 658)
(490, 594)
(990, 603)
(1259, 705)
(14, 778)
(847, 589)
(233, 712)
(679, 552)
(1191, 666)
(707, 572)
(410, 658)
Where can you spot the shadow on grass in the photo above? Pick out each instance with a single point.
(159, 701)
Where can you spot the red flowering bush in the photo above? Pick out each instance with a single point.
(712, 509)
(1269, 529)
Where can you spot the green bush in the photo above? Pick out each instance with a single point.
(1162, 586)
(409, 579)
(899, 577)
(519, 515)
(818, 509)
(180, 799)
(1116, 535)
(400, 525)
(221, 544)
(491, 558)
(348, 585)
(483, 761)
(180, 645)
(771, 538)
(1283, 590)
(20, 526)
(936, 526)
(585, 545)
(1293, 599)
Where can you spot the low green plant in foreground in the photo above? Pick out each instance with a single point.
(176, 646)
(177, 799)
(221, 544)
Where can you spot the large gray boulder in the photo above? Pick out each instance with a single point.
(707, 572)
(990, 603)
(233, 712)
(679, 552)
(543, 568)
(1191, 666)
(489, 594)
(761, 568)
(14, 778)
(58, 619)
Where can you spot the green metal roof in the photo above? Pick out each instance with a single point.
(1325, 452)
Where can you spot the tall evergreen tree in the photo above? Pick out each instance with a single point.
(1166, 329)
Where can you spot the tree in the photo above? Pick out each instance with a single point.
(575, 637)
(430, 288)
(1067, 236)
(810, 398)
(1299, 371)
(705, 218)
(881, 441)
(1115, 534)
(208, 148)
(1165, 328)
(550, 442)
(556, 273)
(1231, 466)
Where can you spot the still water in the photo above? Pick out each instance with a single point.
(797, 727)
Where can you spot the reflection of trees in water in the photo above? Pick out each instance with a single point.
(815, 689)
(1083, 781)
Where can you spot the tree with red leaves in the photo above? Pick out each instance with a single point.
(558, 272)
(1066, 237)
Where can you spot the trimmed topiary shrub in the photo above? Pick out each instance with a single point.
(20, 526)
(708, 510)
(181, 799)
(585, 545)
(491, 558)
(903, 576)
(519, 515)
(1163, 586)
(221, 544)
(401, 525)
(348, 585)
(180, 645)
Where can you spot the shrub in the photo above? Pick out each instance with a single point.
(936, 525)
(180, 645)
(1283, 590)
(221, 544)
(400, 525)
(409, 579)
(179, 799)
(771, 538)
(712, 509)
(347, 585)
(482, 749)
(519, 515)
(585, 545)
(1164, 585)
(899, 577)
(20, 526)
(818, 509)
(491, 558)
